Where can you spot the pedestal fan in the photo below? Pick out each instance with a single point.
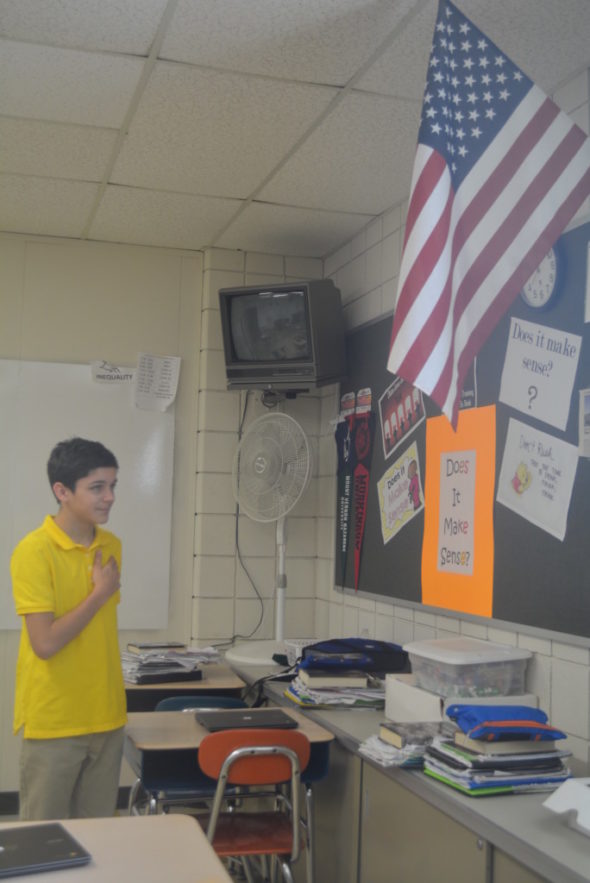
(271, 469)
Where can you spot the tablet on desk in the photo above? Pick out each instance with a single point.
(27, 849)
(237, 719)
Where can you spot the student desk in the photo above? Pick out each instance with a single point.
(145, 848)
(387, 825)
(217, 678)
(163, 744)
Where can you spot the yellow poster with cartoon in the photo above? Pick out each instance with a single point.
(400, 493)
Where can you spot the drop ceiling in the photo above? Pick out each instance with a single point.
(281, 126)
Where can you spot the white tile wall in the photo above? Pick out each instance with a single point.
(235, 599)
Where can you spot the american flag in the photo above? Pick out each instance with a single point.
(498, 174)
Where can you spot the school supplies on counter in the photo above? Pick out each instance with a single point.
(478, 770)
(362, 697)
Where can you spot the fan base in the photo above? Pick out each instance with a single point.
(255, 652)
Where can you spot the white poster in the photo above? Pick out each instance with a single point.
(539, 371)
(455, 515)
(537, 477)
(156, 381)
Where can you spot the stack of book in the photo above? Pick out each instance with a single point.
(153, 662)
(328, 687)
(478, 767)
(403, 743)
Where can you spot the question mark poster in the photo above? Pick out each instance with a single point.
(537, 477)
(458, 543)
(539, 371)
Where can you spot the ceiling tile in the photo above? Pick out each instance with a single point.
(44, 205)
(548, 40)
(359, 159)
(214, 133)
(293, 231)
(54, 150)
(144, 217)
(114, 25)
(401, 69)
(64, 85)
(320, 41)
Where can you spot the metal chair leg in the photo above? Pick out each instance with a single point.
(247, 869)
(309, 835)
(287, 874)
(136, 790)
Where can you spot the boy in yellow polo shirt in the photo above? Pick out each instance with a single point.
(70, 698)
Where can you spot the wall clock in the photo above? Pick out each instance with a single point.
(541, 289)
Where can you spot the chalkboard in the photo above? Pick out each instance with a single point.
(538, 580)
(43, 403)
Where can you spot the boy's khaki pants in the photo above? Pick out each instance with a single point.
(73, 777)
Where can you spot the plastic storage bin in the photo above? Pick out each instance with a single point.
(464, 667)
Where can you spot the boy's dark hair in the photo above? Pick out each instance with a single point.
(75, 458)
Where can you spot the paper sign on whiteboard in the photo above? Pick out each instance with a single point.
(537, 477)
(156, 381)
(539, 371)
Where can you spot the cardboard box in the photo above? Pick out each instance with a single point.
(405, 701)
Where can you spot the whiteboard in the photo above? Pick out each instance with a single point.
(42, 403)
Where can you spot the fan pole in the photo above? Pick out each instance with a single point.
(281, 581)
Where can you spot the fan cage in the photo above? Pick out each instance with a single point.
(272, 467)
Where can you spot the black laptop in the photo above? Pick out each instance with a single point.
(26, 849)
(245, 718)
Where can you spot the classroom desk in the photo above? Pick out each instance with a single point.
(145, 848)
(217, 678)
(163, 744)
(371, 818)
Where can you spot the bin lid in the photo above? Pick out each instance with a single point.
(465, 651)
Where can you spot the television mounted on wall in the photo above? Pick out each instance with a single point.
(285, 338)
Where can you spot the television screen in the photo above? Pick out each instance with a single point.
(287, 337)
(269, 326)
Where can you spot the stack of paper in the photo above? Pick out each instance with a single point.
(303, 694)
(495, 773)
(386, 755)
(157, 665)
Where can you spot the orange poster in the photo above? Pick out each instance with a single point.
(458, 546)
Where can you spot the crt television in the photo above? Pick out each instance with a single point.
(285, 338)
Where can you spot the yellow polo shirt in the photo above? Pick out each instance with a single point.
(80, 689)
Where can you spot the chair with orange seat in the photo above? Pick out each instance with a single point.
(254, 760)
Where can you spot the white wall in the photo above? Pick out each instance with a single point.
(366, 271)
(66, 301)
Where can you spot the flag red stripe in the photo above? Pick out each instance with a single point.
(429, 177)
(419, 274)
(422, 265)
